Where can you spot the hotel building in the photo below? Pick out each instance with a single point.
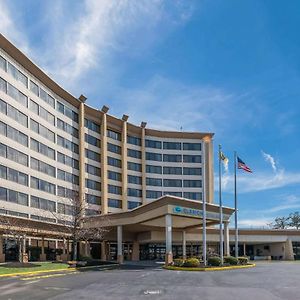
(53, 144)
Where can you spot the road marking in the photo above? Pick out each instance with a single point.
(56, 288)
(30, 282)
(48, 276)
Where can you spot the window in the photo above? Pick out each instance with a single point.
(172, 158)
(134, 166)
(133, 204)
(192, 158)
(65, 143)
(67, 111)
(114, 176)
(115, 203)
(66, 193)
(172, 146)
(92, 184)
(153, 194)
(192, 146)
(43, 204)
(14, 155)
(34, 88)
(113, 148)
(114, 162)
(192, 183)
(133, 140)
(42, 130)
(92, 140)
(113, 189)
(17, 115)
(192, 171)
(42, 112)
(153, 169)
(16, 74)
(153, 144)
(92, 170)
(16, 94)
(192, 195)
(13, 196)
(173, 182)
(42, 167)
(2, 63)
(42, 185)
(92, 155)
(66, 209)
(66, 176)
(13, 134)
(92, 199)
(173, 170)
(134, 179)
(3, 85)
(134, 153)
(134, 192)
(42, 148)
(92, 125)
(176, 194)
(67, 160)
(154, 181)
(13, 175)
(47, 98)
(153, 156)
(114, 135)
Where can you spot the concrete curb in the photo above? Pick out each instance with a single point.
(172, 268)
(56, 270)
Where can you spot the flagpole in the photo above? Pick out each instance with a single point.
(236, 247)
(204, 205)
(221, 208)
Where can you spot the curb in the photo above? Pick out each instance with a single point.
(171, 268)
(56, 270)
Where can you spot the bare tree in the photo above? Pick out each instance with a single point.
(294, 220)
(280, 223)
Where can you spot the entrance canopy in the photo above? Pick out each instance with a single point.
(186, 214)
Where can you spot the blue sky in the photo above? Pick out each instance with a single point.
(230, 67)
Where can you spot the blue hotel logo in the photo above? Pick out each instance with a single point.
(187, 211)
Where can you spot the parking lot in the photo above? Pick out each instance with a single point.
(267, 281)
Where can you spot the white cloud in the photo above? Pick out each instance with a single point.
(270, 159)
(256, 222)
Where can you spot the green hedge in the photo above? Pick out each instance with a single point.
(231, 260)
(191, 263)
(178, 262)
(214, 261)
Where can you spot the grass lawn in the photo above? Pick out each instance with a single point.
(39, 266)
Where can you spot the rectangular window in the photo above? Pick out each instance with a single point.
(92, 170)
(192, 183)
(153, 169)
(47, 98)
(192, 171)
(34, 88)
(3, 85)
(176, 194)
(67, 144)
(42, 167)
(153, 194)
(42, 185)
(92, 125)
(67, 111)
(92, 184)
(13, 134)
(153, 144)
(115, 203)
(92, 155)
(42, 148)
(172, 182)
(16, 74)
(133, 140)
(134, 153)
(114, 189)
(2, 63)
(13, 175)
(154, 181)
(113, 148)
(172, 146)
(134, 166)
(134, 179)
(133, 204)
(134, 192)
(114, 162)
(173, 170)
(192, 196)
(92, 199)
(114, 135)
(192, 146)
(17, 95)
(67, 160)
(192, 158)
(114, 175)
(153, 156)
(172, 158)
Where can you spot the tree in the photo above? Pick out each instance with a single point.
(294, 220)
(74, 219)
(280, 223)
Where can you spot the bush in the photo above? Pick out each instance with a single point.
(191, 263)
(214, 261)
(85, 258)
(231, 260)
(178, 262)
(243, 260)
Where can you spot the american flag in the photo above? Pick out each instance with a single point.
(242, 165)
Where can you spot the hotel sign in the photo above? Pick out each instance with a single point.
(197, 213)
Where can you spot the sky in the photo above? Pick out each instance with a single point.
(228, 67)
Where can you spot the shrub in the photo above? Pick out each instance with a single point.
(178, 262)
(243, 260)
(85, 258)
(191, 263)
(214, 261)
(231, 260)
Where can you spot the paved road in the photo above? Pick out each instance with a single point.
(267, 281)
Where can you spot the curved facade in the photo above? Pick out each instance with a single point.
(53, 143)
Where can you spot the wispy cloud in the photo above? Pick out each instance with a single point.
(270, 159)
(255, 222)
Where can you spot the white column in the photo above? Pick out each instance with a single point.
(226, 239)
(184, 244)
(119, 241)
(169, 254)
